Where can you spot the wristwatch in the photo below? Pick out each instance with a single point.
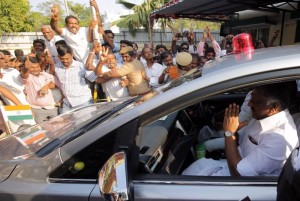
(228, 134)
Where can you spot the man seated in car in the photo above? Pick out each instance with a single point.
(262, 146)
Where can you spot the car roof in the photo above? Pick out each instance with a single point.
(222, 70)
(257, 60)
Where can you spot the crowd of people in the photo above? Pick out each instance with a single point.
(71, 68)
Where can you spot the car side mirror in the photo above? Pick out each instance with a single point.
(112, 178)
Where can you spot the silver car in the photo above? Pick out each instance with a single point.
(136, 149)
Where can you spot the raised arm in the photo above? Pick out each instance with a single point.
(173, 45)
(200, 47)
(9, 95)
(54, 20)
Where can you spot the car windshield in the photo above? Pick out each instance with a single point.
(63, 128)
(27, 142)
(187, 77)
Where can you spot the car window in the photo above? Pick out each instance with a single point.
(86, 163)
(42, 138)
(170, 150)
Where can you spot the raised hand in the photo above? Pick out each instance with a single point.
(97, 47)
(54, 12)
(104, 54)
(231, 118)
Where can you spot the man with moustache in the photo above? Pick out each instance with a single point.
(78, 38)
(72, 77)
(50, 41)
(133, 69)
(112, 86)
(263, 145)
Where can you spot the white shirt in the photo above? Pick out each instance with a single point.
(72, 83)
(10, 80)
(153, 73)
(246, 114)
(215, 45)
(112, 87)
(52, 48)
(78, 42)
(275, 136)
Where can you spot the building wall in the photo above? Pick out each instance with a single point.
(12, 41)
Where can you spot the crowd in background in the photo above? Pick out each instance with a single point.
(73, 68)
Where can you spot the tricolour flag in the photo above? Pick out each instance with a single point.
(32, 136)
(16, 112)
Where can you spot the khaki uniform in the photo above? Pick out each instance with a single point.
(135, 73)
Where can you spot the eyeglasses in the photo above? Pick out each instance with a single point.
(184, 48)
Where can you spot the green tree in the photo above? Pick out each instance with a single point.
(180, 24)
(140, 16)
(45, 10)
(12, 15)
(82, 12)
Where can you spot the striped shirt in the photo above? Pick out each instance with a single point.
(72, 83)
(33, 85)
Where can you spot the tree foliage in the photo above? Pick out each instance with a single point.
(140, 16)
(83, 13)
(14, 15)
(181, 24)
(80, 11)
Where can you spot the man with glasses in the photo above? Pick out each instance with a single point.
(263, 145)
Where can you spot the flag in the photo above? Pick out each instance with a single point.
(32, 136)
(16, 112)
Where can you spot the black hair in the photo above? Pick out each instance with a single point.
(182, 44)
(127, 42)
(160, 46)
(281, 92)
(19, 52)
(131, 53)
(33, 60)
(195, 55)
(70, 17)
(109, 31)
(38, 54)
(41, 41)
(60, 42)
(209, 49)
(5, 52)
(165, 54)
(62, 50)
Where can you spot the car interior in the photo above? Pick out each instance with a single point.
(167, 145)
(171, 149)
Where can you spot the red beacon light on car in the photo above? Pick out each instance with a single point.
(242, 43)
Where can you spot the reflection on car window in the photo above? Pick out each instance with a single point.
(29, 141)
(189, 76)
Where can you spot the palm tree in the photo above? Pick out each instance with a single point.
(140, 17)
